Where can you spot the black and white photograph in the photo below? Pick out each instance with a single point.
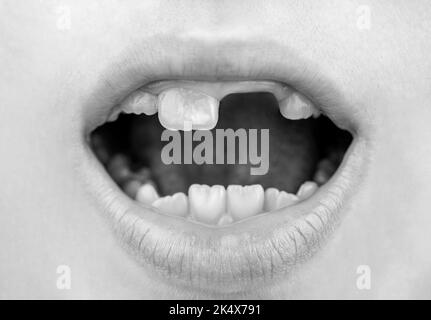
(241, 150)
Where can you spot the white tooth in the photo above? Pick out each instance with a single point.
(271, 196)
(114, 115)
(286, 199)
(185, 109)
(140, 102)
(225, 220)
(207, 204)
(306, 190)
(147, 194)
(296, 107)
(275, 199)
(175, 205)
(131, 188)
(243, 202)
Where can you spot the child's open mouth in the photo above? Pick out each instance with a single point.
(218, 175)
(223, 178)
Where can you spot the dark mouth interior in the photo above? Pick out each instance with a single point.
(299, 150)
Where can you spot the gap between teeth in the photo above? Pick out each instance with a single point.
(216, 205)
(191, 105)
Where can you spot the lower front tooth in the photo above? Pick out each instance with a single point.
(306, 190)
(185, 109)
(275, 199)
(271, 196)
(147, 194)
(207, 204)
(175, 205)
(244, 202)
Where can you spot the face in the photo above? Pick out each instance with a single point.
(70, 227)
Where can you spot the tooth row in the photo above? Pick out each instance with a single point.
(215, 205)
(187, 109)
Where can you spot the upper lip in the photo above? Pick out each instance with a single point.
(251, 253)
(163, 57)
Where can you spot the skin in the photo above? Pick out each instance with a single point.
(47, 219)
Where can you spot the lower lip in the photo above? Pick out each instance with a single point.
(255, 252)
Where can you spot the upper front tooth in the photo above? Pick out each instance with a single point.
(140, 102)
(175, 205)
(207, 204)
(275, 199)
(296, 107)
(243, 202)
(185, 109)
